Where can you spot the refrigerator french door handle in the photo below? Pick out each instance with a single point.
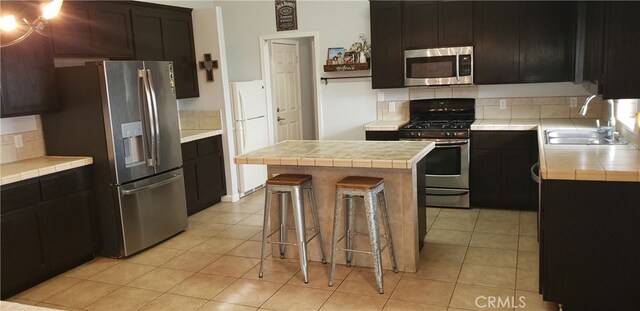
(155, 115)
(147, 117)
(156, 185)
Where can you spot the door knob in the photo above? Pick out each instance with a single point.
(280, 119)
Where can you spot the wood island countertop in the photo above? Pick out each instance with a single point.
(340, 153)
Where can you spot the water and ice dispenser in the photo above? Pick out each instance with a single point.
(133, 144)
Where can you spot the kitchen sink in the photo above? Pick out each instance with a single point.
(580, 137)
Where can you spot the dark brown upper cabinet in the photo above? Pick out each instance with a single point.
(593, 48)
(524, 42)
(27, 69)
(496, 49)
(386, 39)
(547, 41)
(166, 33)
(622, 43)
(427, 24)
(130, 30)
(609, 65)
(93, 29)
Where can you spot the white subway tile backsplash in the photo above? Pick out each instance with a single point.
(560, 100)
(525, 112)
(422, 93)
(32, 145)
(445, 92)
(561, 111)
(487, 101)
(465, 91)
(200, 119)
(494, 112)
(519, 101)
(556, 107)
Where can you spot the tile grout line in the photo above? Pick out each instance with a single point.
(463, 259)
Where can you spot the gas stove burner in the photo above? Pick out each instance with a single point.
(439, 125)
(439, 119)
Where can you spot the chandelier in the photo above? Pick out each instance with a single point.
(8, 23)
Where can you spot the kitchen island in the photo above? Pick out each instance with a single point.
(400, 163)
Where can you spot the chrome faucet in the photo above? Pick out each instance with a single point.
(609, 129)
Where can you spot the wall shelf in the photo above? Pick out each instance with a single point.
(346, 67)
(326, 80)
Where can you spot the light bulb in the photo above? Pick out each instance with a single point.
(52, 8)
(8, 23)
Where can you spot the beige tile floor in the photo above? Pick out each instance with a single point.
(470, 256)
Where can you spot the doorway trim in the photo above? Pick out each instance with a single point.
(265, 59)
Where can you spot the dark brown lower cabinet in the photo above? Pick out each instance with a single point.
(589, 244)
(500, 169)
(381, 135)
(46, 228)
(204, 179)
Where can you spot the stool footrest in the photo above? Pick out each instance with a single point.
(359, 251)
(290, 243)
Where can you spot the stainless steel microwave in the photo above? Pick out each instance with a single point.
(441, 66)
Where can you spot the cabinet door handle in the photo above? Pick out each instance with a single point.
(458, 66)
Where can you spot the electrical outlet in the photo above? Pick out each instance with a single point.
(392, 106)
(573, 102)
(380, 96)
(503, 103)
(18, 141)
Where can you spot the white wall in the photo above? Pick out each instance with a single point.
(205, 36)
(346, 105)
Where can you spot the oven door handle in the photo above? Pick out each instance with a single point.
(447, 193)
(451, 143)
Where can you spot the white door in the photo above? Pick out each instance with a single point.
(285, 70)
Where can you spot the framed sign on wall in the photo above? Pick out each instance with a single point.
(286, 16)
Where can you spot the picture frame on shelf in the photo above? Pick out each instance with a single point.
(350, 57)
(335, 56)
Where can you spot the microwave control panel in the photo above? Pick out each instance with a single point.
(465, 65)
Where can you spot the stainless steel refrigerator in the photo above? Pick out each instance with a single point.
(124, 114)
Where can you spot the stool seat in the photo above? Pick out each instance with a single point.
(359, 182)
(288, 180)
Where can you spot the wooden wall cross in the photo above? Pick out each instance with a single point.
(209, 65)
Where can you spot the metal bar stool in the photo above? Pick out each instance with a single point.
(371, 189)
(290, 186)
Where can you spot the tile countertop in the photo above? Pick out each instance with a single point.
(191, 135)
(573, 162)
(30, 168)
(334, 153)
(385, 125)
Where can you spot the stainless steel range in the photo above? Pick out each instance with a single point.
(447, 121)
